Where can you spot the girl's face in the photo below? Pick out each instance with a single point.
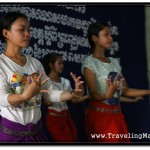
(19, 33)
(58, 65)
(104, 38)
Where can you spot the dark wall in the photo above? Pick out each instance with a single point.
(134, 64)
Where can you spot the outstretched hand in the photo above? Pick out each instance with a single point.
(33, 85)
(138, 98)
(78, 82)
(112, 87)
(131, 100)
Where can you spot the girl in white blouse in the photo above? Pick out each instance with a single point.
(23, 83)
(58, 119)
(105, 83)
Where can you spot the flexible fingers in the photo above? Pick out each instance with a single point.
(79, 77)
(28, 80)
(81, 82)
(44, 91)
(122, 79)
(78, 85)
(39, 77)
(31, 79)
(44, 81)
(73, 75)
(109, 80)
(107, 83)
(35, 81)
(116, 79)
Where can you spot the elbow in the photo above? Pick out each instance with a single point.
(4, 100)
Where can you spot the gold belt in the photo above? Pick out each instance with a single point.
(55, 114)
(100, 109)
(18, 133)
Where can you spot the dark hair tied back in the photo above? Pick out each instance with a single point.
(49, 58)
(94, 29)
(7, 20)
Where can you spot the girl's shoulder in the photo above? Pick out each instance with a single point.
(89, 57)
(64, 80)
(32, 58)
(89, 63)
(114, 60)
(88, 60)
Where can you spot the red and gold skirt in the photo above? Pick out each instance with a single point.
(105, 123)
(60, 126)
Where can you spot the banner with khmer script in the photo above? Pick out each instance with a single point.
(61, 28)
